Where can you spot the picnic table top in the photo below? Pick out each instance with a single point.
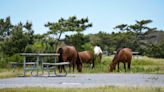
(60, 63)
(40, 54)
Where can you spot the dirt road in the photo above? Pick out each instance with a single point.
(86, 80)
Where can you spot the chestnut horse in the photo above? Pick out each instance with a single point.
(87, 57)
(70, 54)
(123, 55)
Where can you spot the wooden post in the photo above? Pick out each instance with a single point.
(37, 64)
(24, 66)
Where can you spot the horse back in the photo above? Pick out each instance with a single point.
(69, 53)
(86, 55)
(125, 54)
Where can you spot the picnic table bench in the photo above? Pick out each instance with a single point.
(54, 66)
(35, 65)
(15, 65)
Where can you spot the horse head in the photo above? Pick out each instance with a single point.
(111, 67)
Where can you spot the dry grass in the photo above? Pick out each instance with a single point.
(7, 75)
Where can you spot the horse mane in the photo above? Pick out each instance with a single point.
(115, 57)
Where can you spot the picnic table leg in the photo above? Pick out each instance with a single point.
(42, 67)
(37, 64)
(48, 70)
(55, 70)
(24, 66)
(32, 69)
(63, 74)
(65, 71)
(14, 67)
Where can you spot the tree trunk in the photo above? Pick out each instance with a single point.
(58, 41)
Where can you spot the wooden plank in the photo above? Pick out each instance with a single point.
(63, 63)
(40, 54)
(30, 63)
(29, 54)
(48, 54)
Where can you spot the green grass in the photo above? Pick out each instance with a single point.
(140, 65)
(98, 89)
(147, 65)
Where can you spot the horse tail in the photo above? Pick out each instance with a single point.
(93, 62)
(79, 63)
(60, 51)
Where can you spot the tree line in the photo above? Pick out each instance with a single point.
(20, 38)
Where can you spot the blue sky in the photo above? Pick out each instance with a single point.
(104, 14)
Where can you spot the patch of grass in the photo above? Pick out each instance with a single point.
(143, 65)
(7, 74)
(147, 61)
(98, 89)
(100, 67)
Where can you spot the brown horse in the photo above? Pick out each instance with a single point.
(123, 55)
(70, 54)
(87, 57)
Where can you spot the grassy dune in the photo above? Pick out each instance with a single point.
(98, 89)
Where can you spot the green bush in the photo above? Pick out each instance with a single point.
(87, 46)
(29, 49)
(15, 58)
(5, 60)
(2, 60)
(156, 50)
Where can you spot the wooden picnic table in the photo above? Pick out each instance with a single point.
(35, 65)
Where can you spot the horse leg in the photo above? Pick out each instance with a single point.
(100, 57)
(69, 67)
(73, 67)
(125, 66)
(74, 64)
(118, 66)
(60, 69)
(93, 64)
(129, 66)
